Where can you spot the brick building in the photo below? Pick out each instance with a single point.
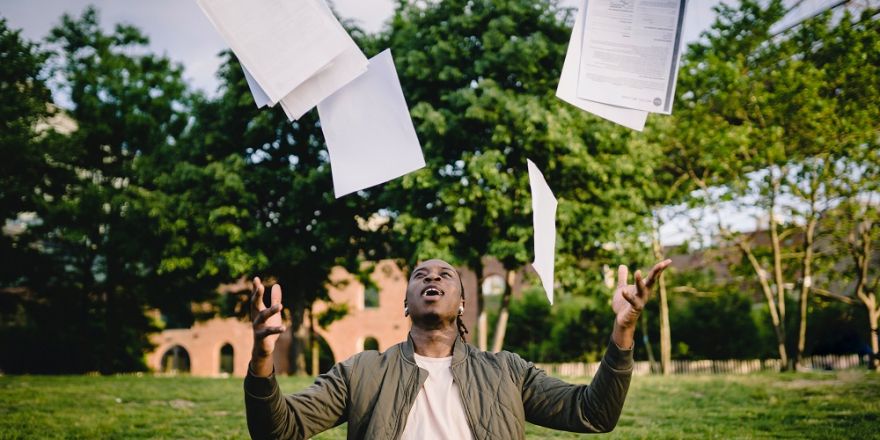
(222, 346)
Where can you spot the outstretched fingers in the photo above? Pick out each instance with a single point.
(656, 271)
(276, 295)
(262, 332)
(263, 315)
(257, 298)
(641, 287)
(622, 276)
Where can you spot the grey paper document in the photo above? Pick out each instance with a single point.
(568, 85)
(544, 218)
(368, 130)
(631, 53)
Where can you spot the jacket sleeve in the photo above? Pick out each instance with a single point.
(321, 406)
(556, 404)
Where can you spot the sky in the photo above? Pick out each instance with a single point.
(179, 29)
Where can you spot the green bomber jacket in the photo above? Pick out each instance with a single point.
(374, 392)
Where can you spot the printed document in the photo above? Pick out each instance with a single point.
(631, 53)
(568, 84)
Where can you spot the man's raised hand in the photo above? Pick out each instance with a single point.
(630, 299)
(267, 327)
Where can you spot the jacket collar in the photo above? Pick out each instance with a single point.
(459, 350)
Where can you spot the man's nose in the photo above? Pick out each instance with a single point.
(434, 277)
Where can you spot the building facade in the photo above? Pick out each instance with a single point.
(374, 319)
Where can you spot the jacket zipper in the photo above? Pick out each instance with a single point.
(409, 398)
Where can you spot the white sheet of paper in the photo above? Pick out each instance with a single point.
(282, 43)
(368, 130)
(568, 84)
(341, 71)
(260, 97)
(631, 53)
(544, 218)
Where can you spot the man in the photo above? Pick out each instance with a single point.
(433, 385)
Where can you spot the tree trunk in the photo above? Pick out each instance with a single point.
(771, 304)
(861, 254)
(873, 318)
(647, 341)
(503, 312)
(482, 319)
(665, 330)
(806, 283)
(299, 341)
(313, 344)
(778, 278)
(483, 328)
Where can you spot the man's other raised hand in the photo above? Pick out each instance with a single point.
(267, 327)
(629, 300)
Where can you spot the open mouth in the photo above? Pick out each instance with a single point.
(432, 291)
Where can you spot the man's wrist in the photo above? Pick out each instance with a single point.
(261, 364)
(623, 336)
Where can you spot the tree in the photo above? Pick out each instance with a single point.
(479, 76)
(24, 100)
(23, 106)
(769, 122)
(89, 248)
(126, 221)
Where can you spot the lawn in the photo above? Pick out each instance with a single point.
(829, 405)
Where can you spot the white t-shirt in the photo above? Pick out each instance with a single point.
(437, 412)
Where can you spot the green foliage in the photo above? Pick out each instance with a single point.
(718, 328)
(25, 97)
(480, 76)
(333, 313)
(786, 124)
(127, 217)
(92, 258)
(574, 329)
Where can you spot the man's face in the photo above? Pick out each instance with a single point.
(434, 292)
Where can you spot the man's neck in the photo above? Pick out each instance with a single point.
(435, 343)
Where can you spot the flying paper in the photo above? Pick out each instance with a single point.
(260, 97)
(568, 85)
(350, 64)
(630, 53)
(544, 218)
(281, 43)
(368, 130)
(344, 69)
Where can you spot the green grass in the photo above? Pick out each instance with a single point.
(815, 405)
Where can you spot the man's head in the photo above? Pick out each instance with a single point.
(434, 295)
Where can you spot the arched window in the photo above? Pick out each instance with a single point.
(227, 358)
(493, 285)
(370, 343)
(175, 360)
(371, 298)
